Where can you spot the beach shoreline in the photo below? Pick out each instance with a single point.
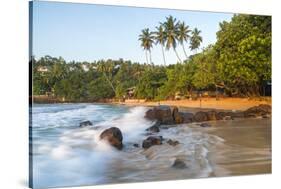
(227, 103)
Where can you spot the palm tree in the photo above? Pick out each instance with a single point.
(195, 39)
(160, 38)
(183, 35)
(171, 31)
(146, 38)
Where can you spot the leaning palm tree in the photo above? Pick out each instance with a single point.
(160, 38)
(183, 35)
(171, 30)
(146, 38)
(195, 40)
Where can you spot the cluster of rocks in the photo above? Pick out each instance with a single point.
(165, 115)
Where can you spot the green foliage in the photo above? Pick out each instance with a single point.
(244, 53)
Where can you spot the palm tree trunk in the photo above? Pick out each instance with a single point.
(184, 51)
(111, 85)
(150, 57)
(177, 55)
(146, 57)
(163, 55)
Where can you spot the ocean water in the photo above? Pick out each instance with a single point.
(66, 155)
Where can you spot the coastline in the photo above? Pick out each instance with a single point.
(227, 104)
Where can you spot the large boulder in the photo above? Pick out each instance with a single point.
(85, 124)
(201, 116)
(151, 141)
(161, 113)
(260, 110)
(212, 115)
(113, 136)
(182, 117)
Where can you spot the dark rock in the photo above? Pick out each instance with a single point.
(155, 127)
(221, 115)
(237, 115)
(136, 145)
(161, 113)
(201, 116)
(260, 110)
(151, 141)
(179, 164)
(114, 137)
(150, 114)
(229, 115)
(211, 115)
(205, 125)
(266, 116)
(173, 142)
(183, 117)
(175, 111)
(85, 124)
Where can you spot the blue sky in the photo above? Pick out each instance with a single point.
(86, 32)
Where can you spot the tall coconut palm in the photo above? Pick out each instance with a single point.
(171, 31)
(183, 35)
(195, 39)
(146, 38)
(160, 38)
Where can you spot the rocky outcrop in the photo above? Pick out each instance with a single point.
(163, 114)
(85, 124)
(113, 136)
(151, 141)
(260, 110)
(167, 116)
(182, 117)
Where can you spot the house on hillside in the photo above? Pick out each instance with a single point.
(85, 67)
(42, 69)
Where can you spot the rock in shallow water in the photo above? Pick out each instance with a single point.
(85, 124)
(151, 141)
(173, 142)
(205, 125)
(163, 114)
(154, 128)
(179, 164)
(260, 110)
(113, 136)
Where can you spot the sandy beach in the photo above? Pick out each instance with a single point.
(206, 103)
(246, 148)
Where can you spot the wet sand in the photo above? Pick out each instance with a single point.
(246, 148)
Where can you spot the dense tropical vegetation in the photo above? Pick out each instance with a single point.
(238, 64)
